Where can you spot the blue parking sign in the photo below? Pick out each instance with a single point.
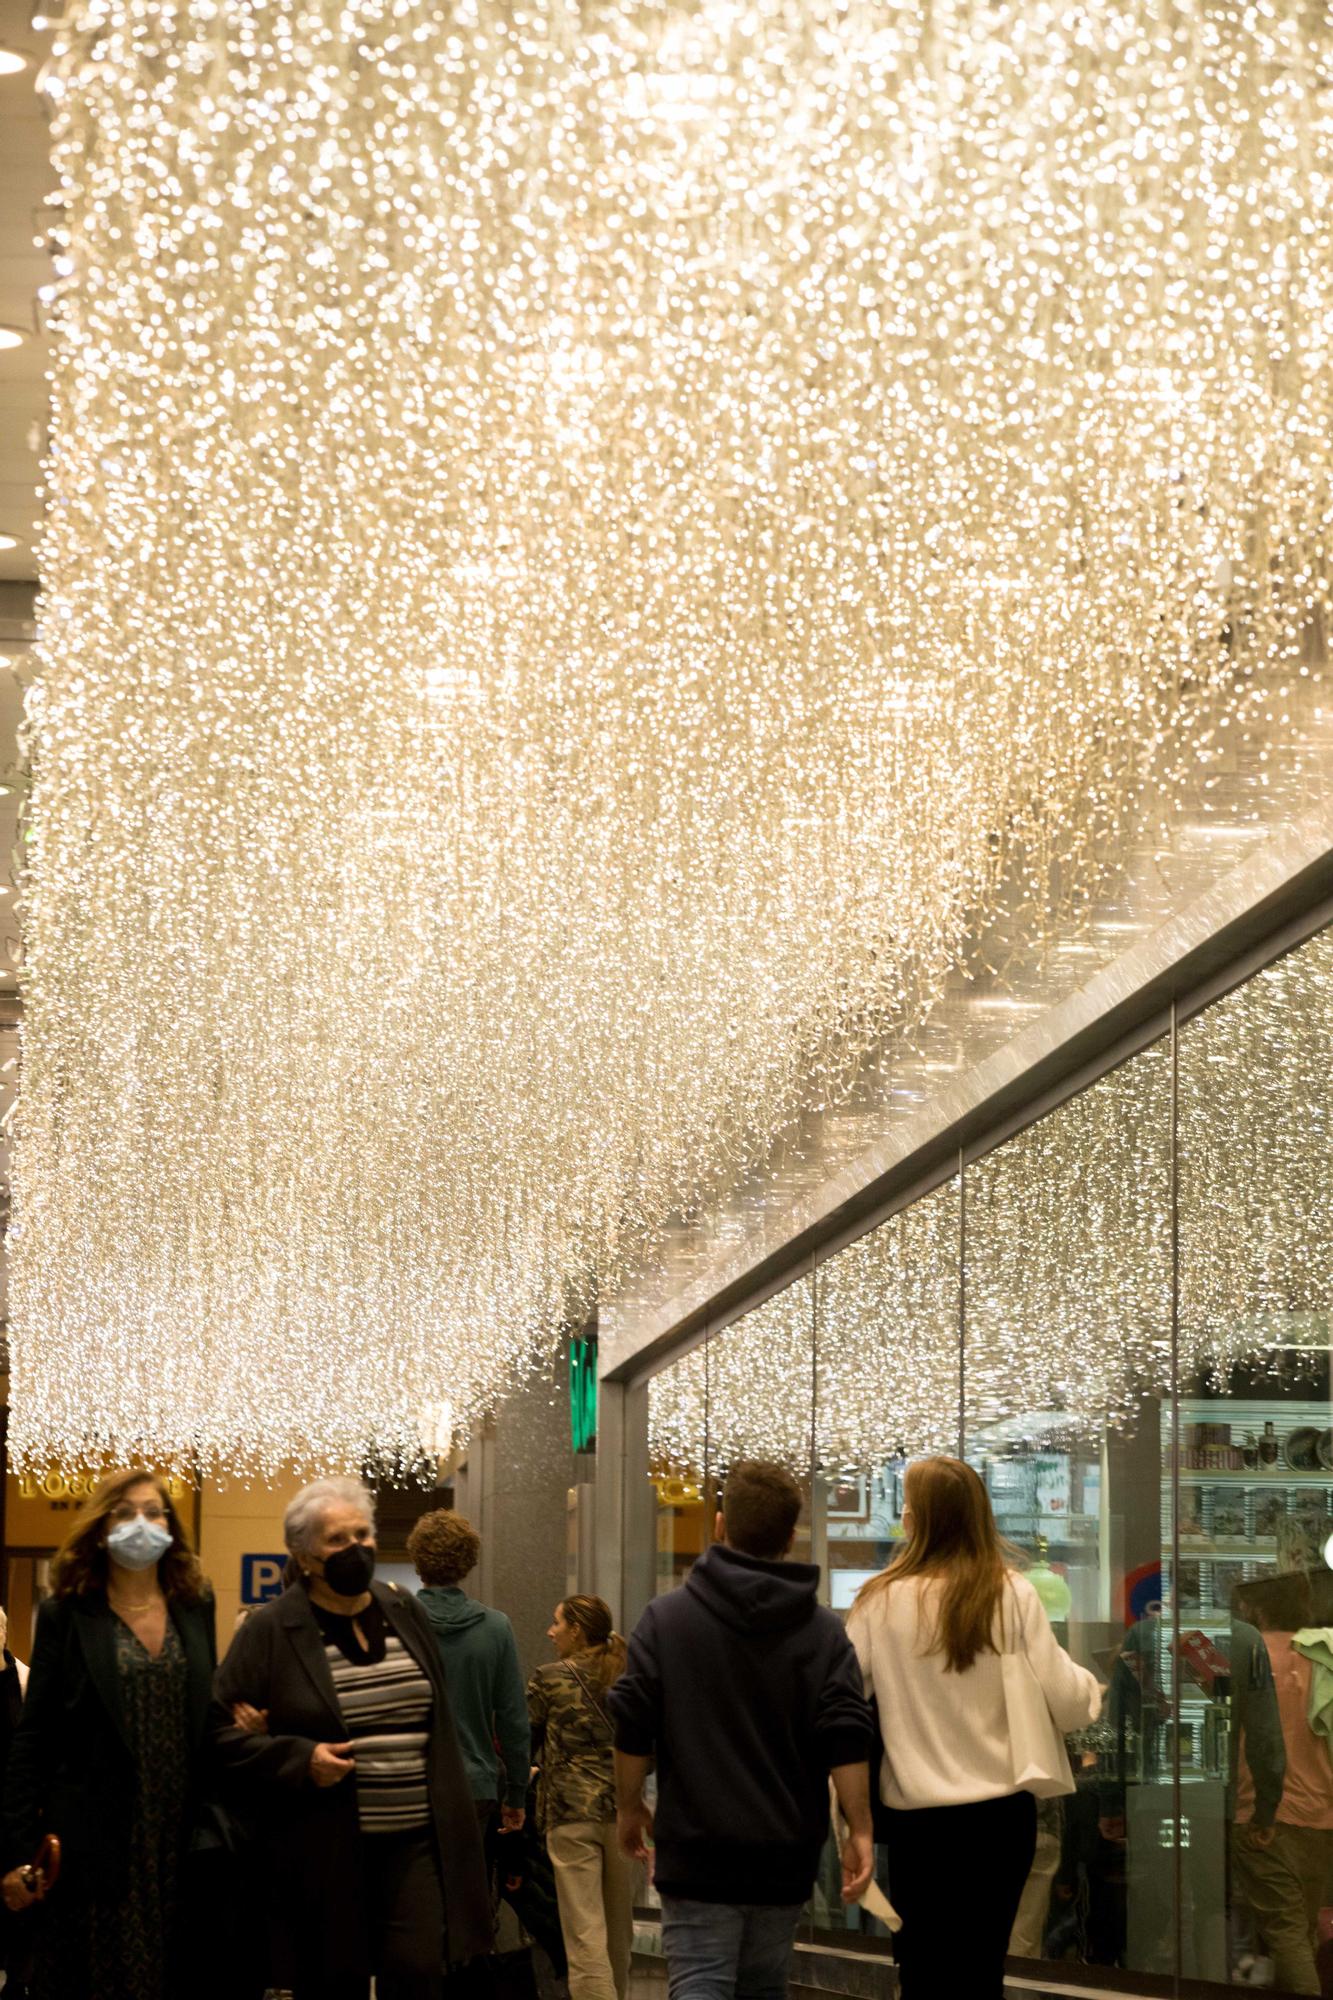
(261, 1578)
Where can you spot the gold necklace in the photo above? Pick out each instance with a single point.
(132, 1604)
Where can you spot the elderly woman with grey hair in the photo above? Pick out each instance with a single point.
(335, 1737)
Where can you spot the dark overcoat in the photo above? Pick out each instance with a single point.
(11, 1708)
(71, 1770)
(309, 1834)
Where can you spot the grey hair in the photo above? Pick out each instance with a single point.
(305, 1512)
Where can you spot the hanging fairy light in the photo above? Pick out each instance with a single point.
(584, 546)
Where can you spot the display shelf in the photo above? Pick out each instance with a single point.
(1057, 1535)
(1232, 1549)
(1303, 1481)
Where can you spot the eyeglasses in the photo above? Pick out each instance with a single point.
(151, 1510)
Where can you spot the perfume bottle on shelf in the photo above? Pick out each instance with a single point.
(1249, 1452)
(1217, 1728)
(1268, 1445)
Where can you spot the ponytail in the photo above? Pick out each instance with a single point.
(592, 1616)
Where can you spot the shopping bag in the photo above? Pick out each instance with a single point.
(874, 1902)
(1037, 1751)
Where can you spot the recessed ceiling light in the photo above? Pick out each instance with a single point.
(11, 336)
(11, 62)
(10, 541)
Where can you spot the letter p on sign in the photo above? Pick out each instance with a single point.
(261, 1578)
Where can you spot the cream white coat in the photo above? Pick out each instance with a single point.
(946, 1735)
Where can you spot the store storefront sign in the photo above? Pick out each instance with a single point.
(53, 1485)
(39, 1505)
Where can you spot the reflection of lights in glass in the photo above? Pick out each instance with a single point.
(1068, 1266)
(1256, 1150)
(1068, 1305)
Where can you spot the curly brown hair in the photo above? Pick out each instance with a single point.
(81, 1563)
(443, 1547)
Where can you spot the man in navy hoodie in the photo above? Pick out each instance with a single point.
(747, 1695)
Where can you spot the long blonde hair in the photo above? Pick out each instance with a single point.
(954, 1538)
(591, 1616)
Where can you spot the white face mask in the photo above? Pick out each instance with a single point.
(138, 1544)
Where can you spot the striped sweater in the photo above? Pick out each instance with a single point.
(385, 1701)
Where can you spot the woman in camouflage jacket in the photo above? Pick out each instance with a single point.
(571, 1742)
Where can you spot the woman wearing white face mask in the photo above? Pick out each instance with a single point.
(108, 1751)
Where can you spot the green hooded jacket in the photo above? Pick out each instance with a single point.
(486, 1689)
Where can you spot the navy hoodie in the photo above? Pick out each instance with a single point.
(747, 1693)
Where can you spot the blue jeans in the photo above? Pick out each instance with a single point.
(727, 1951)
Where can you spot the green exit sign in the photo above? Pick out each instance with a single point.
(583, 1390)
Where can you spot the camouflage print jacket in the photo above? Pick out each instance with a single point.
(571, 1741)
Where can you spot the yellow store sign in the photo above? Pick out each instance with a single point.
(40, 1505)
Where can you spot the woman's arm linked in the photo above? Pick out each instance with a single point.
(254, 1756)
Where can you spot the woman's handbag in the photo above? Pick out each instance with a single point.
(1039, 1760)
(41, 1874)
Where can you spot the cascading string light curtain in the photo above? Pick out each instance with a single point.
(583, 547)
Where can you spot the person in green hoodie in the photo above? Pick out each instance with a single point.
(481, 1666)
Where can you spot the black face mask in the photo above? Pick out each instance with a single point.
(348, 1571)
